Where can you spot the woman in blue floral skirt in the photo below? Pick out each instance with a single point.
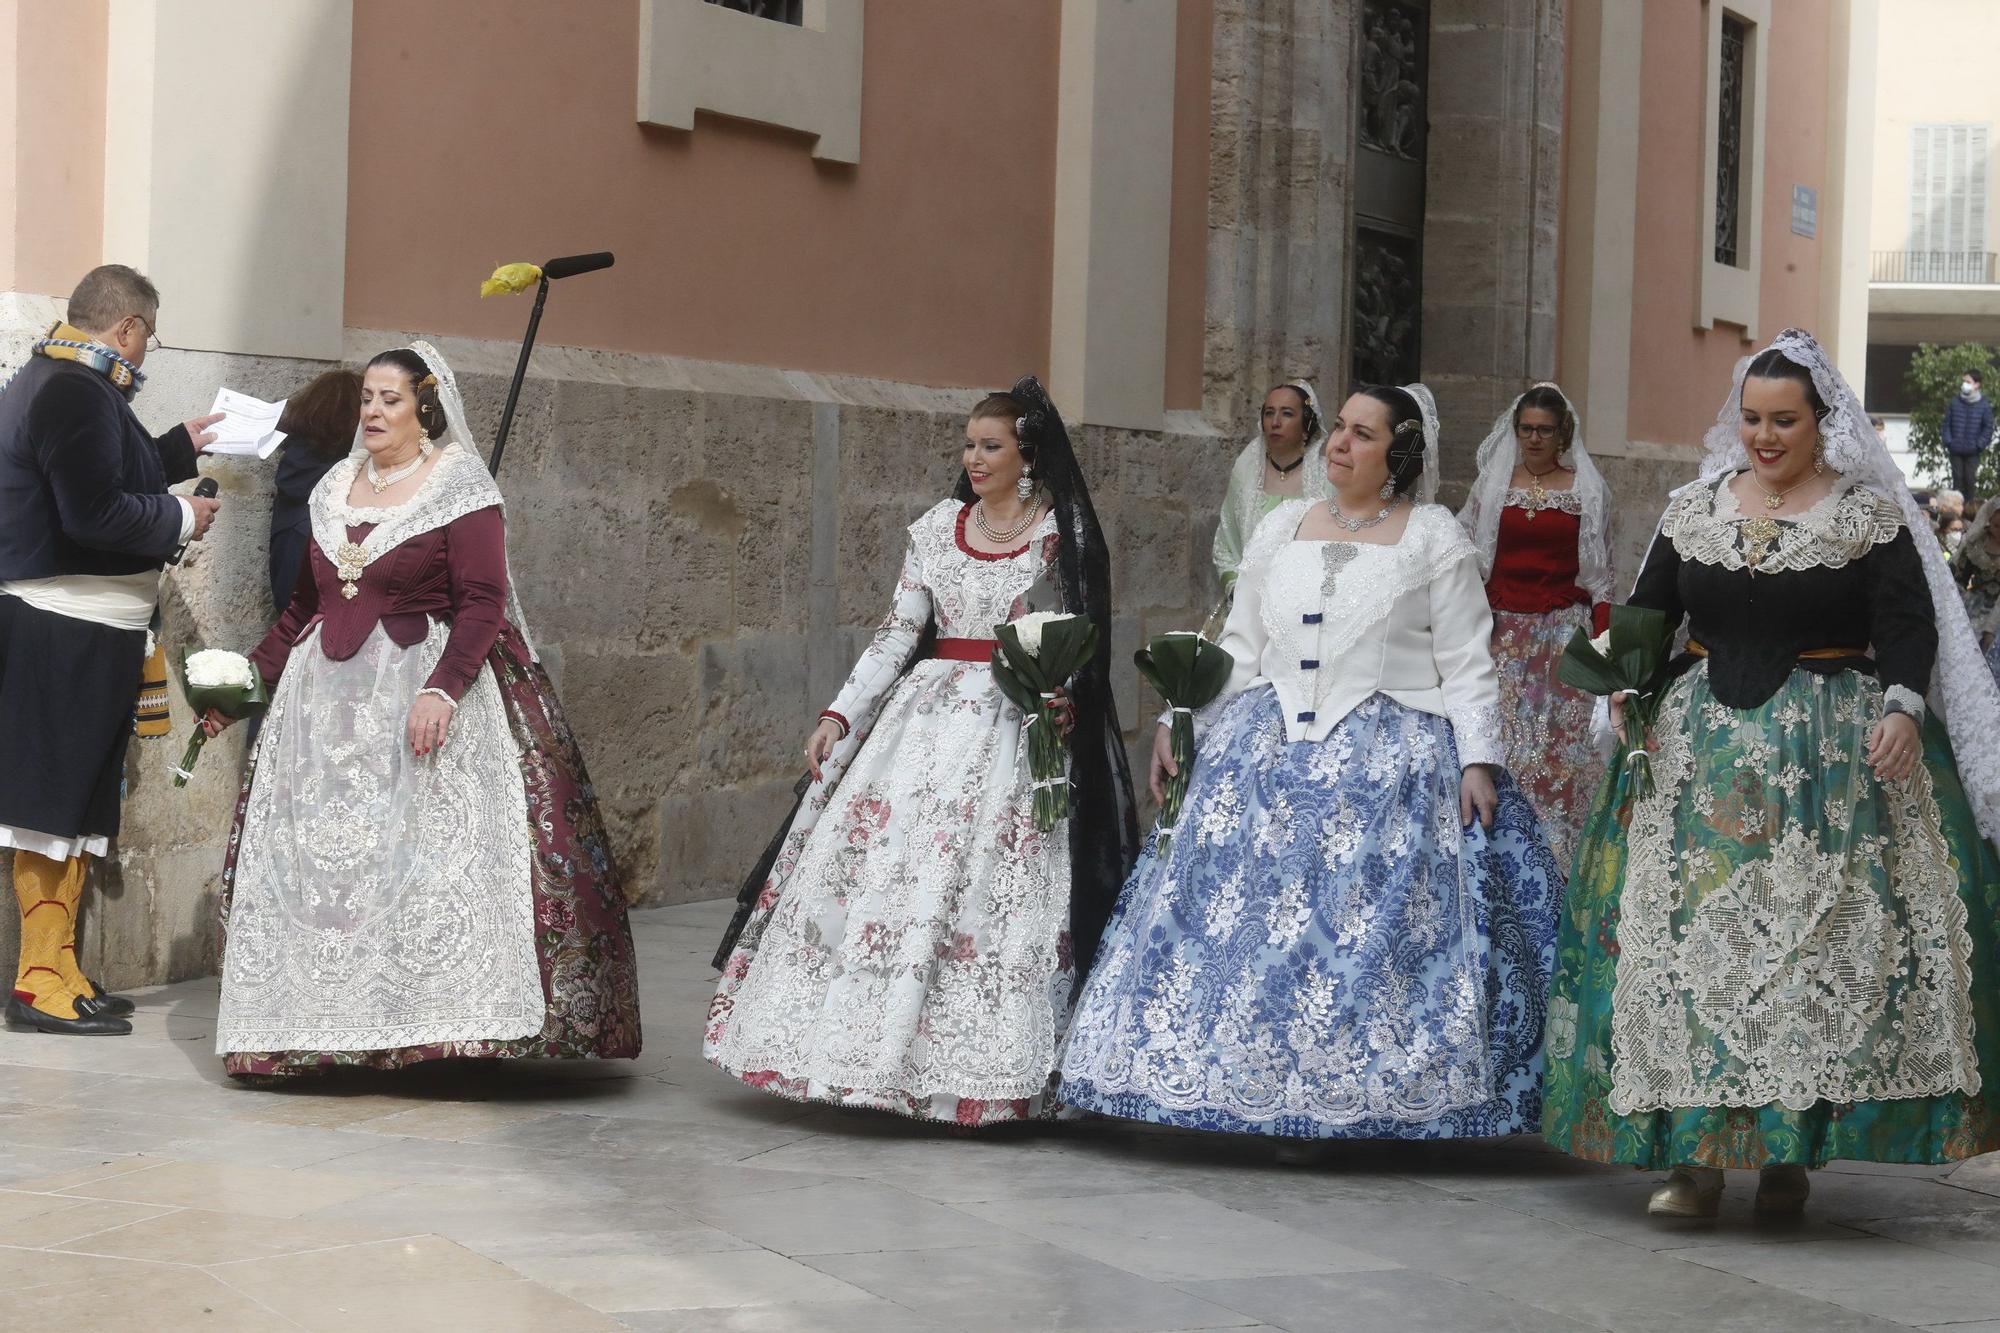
(1351, 933)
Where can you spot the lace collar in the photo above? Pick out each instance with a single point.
(1708, 526)
(1566, 500)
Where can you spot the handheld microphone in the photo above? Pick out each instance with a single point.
(206, 489)
(570, 265)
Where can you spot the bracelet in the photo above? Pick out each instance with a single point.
(1902, 699)
(440, 694)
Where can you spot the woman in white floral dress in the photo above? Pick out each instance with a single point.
(915, 943)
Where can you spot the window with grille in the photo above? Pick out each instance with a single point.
(1729, 141)
(1947, 203)
(783, 11)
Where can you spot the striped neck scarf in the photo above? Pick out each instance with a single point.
(64, 342)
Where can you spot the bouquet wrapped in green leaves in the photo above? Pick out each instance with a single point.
(1189, 671)
(1036, 655)
(227, 682)
(1630, 657)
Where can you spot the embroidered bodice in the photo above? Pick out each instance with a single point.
(1330, 623)
(1535, 560)
(944, 581)
(1759, 591)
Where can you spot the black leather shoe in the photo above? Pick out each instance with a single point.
(22, 1015)
(116, 1006)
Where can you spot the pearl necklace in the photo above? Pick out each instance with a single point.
(1357, 524)
(1010, 535)
(383, 481)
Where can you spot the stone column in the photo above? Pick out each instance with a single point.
(225, 174)
(1492, 204)
(1113, 205)
(1280, 137)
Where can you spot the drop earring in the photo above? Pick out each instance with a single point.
(1388, 491)
(1025, 487)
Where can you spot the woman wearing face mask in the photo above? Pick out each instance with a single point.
(1351, 932)
(1782, 950)
(1287, 459)
(915, 944)
(1968, 431)
(1540, 515)
(419, 870)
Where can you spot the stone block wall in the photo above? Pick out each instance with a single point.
(699, 567)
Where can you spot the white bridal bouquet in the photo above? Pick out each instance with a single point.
(1036, 654)
(224, 681)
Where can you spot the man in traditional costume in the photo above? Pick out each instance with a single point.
(86, 525)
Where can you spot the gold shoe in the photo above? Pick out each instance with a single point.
(1782, 1191)
(1690, 1191)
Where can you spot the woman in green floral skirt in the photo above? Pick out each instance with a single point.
(1779, 945)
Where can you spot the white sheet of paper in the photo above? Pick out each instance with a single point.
(249, 427)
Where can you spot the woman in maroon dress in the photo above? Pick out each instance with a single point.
(1540, 515)
(418, 868)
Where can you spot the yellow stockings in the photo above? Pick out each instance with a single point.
(49, 892)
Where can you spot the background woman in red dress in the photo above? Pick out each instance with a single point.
(1540, 515)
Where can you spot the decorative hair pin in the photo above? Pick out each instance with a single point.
(1411, 427)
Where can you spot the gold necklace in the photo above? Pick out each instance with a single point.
(1773, 500)
(1538, 494)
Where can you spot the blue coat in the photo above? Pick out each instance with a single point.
(1968, 427)
(83, 486)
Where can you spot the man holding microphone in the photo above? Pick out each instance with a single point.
(86, 525)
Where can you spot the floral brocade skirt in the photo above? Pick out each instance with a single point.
(1771, 957)
(1544, 724)
(1323, 951)
(581, 935)
(910, 950)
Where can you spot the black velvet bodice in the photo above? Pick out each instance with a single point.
(1759, 593)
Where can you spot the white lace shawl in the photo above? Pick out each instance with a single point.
(459, 485)
(1963, 689)
(1499, 455)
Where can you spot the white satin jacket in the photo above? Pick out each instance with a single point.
(1328, 624)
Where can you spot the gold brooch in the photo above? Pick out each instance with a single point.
(1760, 534)
(349, 561)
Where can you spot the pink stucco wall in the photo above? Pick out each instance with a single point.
(56, 217)
(510, 136)
(1680, 374)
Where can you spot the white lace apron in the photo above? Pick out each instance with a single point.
(382, 900)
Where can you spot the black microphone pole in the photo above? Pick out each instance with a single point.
(565, 267)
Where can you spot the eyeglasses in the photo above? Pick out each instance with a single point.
(153, 343)
(1537, 432)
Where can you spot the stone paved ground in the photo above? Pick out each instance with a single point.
(140, 1191)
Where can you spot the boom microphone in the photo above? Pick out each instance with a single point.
(206, 489)
(570, 265)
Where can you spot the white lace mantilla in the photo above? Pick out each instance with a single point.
(381, 900)
(1800, 976)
